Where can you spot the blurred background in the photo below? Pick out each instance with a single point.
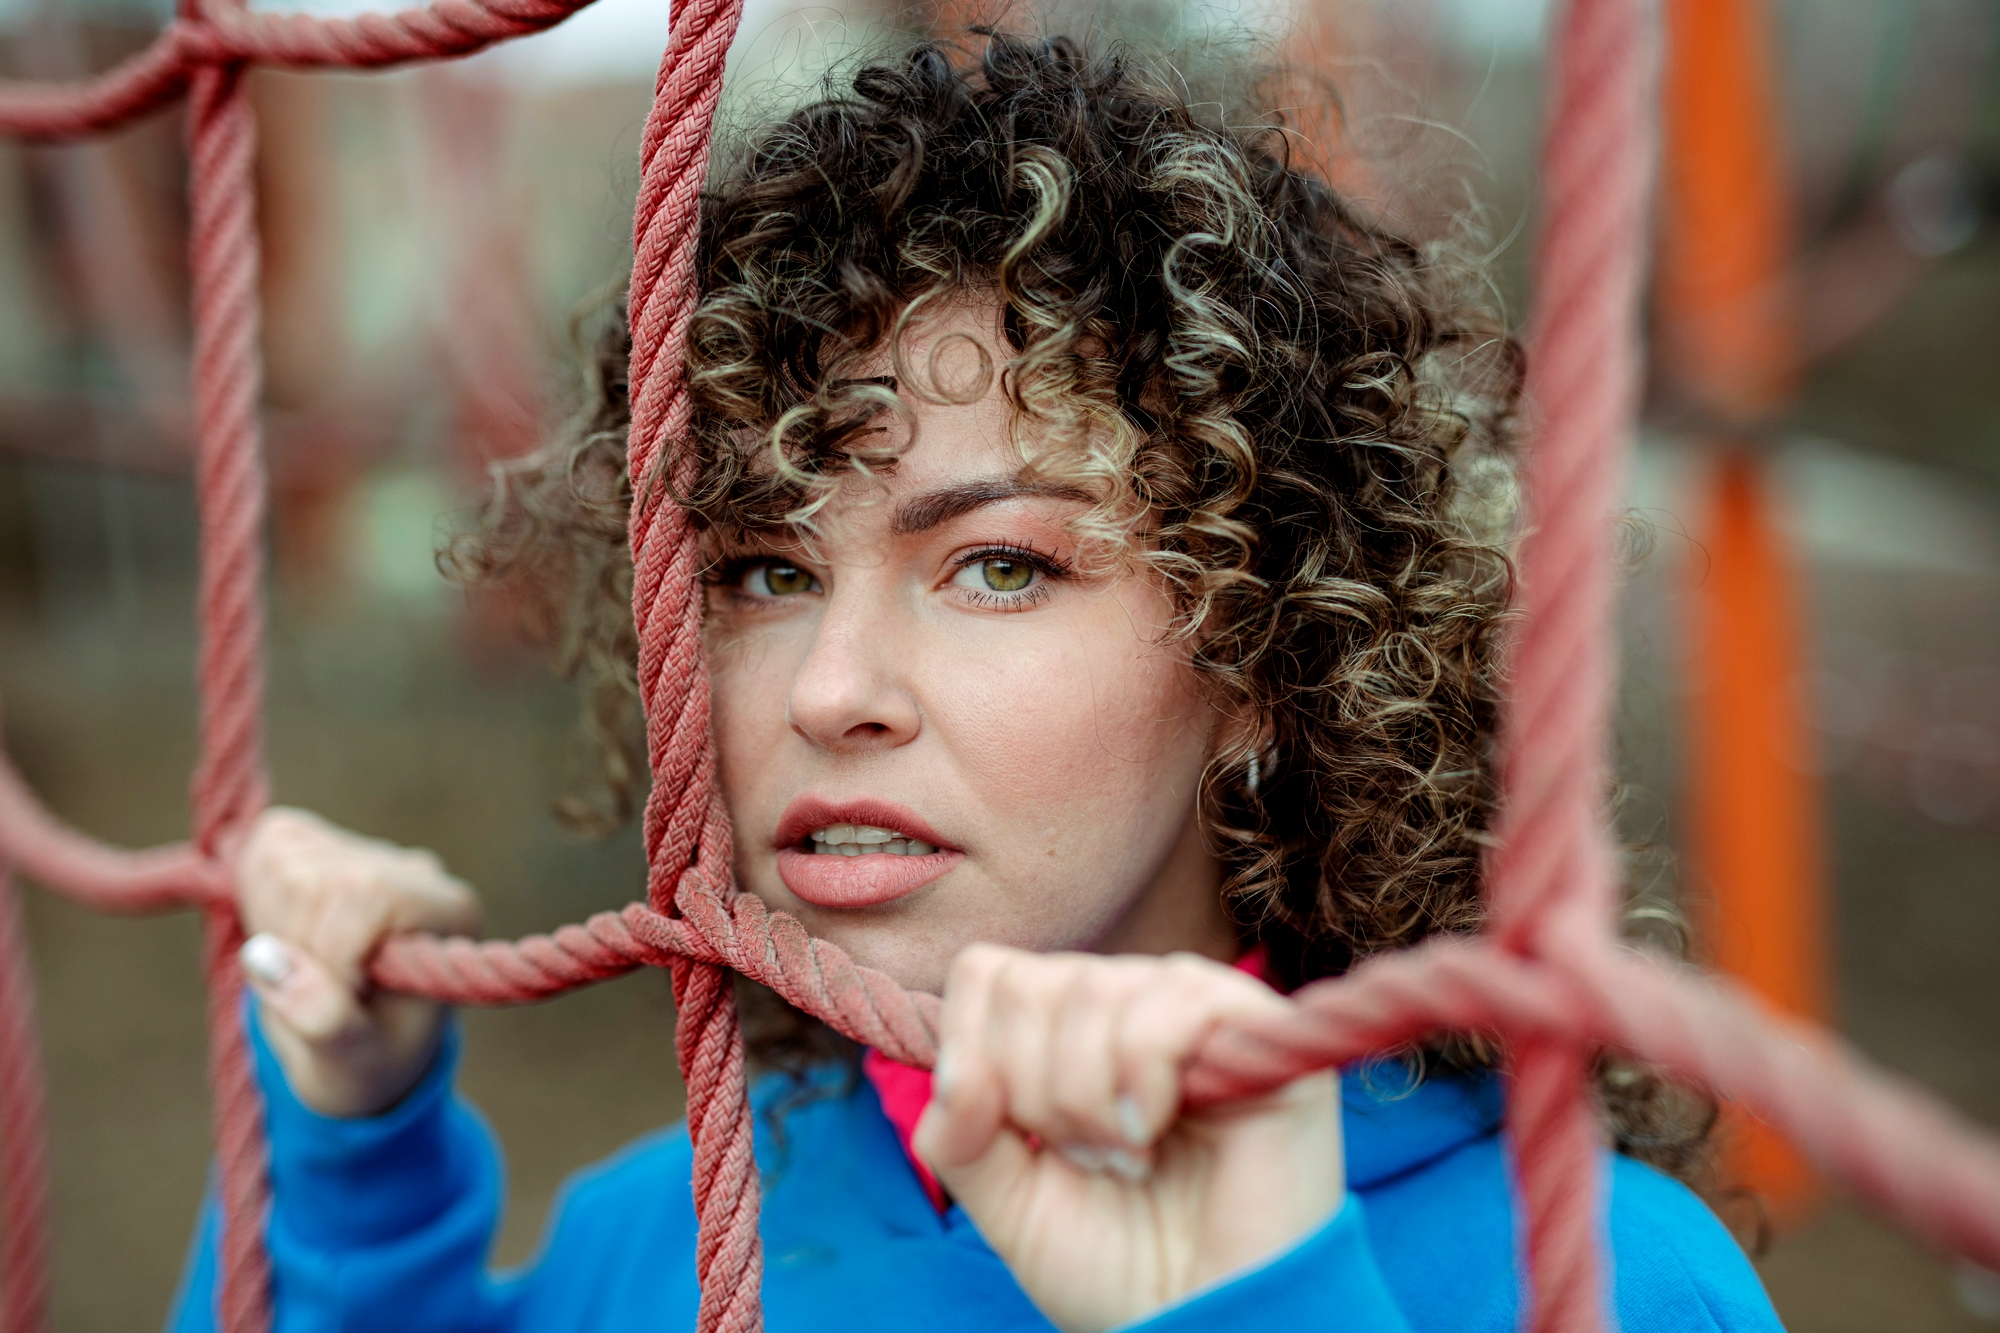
(1810, 728)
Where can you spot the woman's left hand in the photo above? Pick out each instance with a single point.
(1056, 1122)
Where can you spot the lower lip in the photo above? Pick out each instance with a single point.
(827, 880)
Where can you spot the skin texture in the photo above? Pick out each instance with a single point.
(1045, 731)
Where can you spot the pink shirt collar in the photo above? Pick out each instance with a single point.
(905, 1091)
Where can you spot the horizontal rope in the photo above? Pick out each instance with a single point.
(149, 80)
(1893, 1143)
(101, 877)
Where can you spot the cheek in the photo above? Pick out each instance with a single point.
(748, 677)
(1091, 738)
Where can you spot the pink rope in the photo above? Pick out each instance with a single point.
(152, 78)
(1548, 977)
(24, 1170)
(101, 877)
(229, 782)
(685, 827)
(1553, 876)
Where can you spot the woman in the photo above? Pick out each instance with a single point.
(1100, 520)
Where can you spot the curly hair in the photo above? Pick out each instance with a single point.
(1298, 417)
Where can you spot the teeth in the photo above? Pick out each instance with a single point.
(865, 840)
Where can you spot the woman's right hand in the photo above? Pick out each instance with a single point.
(318, 900)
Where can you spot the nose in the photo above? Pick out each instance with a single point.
(849, 694)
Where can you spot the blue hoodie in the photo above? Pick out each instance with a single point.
(383, 1224)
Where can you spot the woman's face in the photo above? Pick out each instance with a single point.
(932, 732)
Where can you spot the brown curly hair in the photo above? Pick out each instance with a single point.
(1306, 414)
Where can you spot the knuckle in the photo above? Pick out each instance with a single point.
(276, 883)
(424, 864)
(980, 957)
(276, 820)
(1080, 1101)
(1145, 1036)
(973, 965)
(453, 907)
(1017, 977)
(1093, 990)
(1032, 990)
(377, 903)
(1189, 966)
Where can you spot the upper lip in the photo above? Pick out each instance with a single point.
(807, 813)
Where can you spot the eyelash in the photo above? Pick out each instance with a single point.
(1048, 566)
(727, 574)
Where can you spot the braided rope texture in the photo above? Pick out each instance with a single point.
(24, 1170)
(1548, 977)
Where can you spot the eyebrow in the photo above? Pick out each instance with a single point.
(921, 513)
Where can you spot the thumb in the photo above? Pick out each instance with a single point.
(299, 992)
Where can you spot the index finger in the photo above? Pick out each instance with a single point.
(969, 1105)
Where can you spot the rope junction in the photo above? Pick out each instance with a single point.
(1548, 977)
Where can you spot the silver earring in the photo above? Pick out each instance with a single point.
(1253, 774)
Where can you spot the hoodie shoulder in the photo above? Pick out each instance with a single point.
(1676, 1266)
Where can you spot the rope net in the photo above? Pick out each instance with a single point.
(1548, 976)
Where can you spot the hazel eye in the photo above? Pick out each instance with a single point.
(1006, 575)
(998, 573)
(774, 578)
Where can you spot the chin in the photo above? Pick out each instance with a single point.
(892, 937)
(914, 962)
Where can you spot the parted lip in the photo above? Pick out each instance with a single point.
(807, 813)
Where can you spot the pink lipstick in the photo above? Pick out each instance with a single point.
(858, 853)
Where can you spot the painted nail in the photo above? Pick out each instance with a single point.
(1132, 1121)
(1132, 1166)
(1085, 1158)
(266, 958)
(944, 1075)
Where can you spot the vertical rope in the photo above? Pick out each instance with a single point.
(686, 829)
(667, 593)
(728, 1255)
(229, 785)
(24, 1165)
(1553, 879)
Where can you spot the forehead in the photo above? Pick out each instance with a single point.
(949, 438)
(954, 420)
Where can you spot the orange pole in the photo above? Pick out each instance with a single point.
(1726, 336)
(1727, 347)
(1753, 808)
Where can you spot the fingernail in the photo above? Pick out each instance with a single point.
(1132, 1121)
(1128, 1164)
(944, 1075)
(1085, 1158)
(266, 958)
